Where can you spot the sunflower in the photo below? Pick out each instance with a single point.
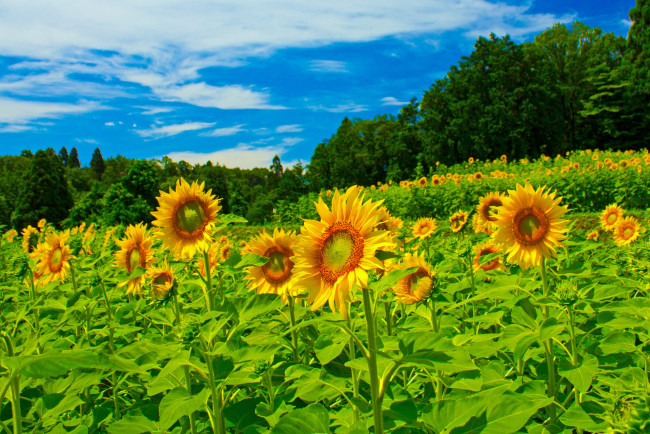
(10, 235)
(593, 235)
(416, 286)
(422, 182)
(162, 280)
(478, 176)
(30, 239)
(424, 227)
(213, 256)
(274, 277)
(53, 258)
(530, 225)
(487, 206)
(225, 250)
(185, 218)
(487, 248)
(135, 251)
(388, 222)
(332, 255)
(458, 220)
(610, 216)
(41, 224)
(626, 231)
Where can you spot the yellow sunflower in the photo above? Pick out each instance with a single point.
(593, 235)
(416, 286)
(135, 251)
(610, 216)
(41, 224)
(422, 182)
(530, 226)
(30, 239)
(10, 235)
(186, 217)
(388, 222)
(162, 280)
(332, 255)
(626, 231)
(276, 275)
(214, 253)
(487, 206)
(424, 227)
(53, 258)
(458, 220)
(487, 248)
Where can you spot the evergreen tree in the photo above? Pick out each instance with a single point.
(63, 154)
(73, 159)
(97, 164)
(44, 192)
(275, 176)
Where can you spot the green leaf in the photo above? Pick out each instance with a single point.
(512, 412)
(582, 376)
(312, 419)
(389, 280)
(550, 329)
(252, 260)
(577, 417)
(384, 255)
(133, 425)
(328, 346)
(176, 404)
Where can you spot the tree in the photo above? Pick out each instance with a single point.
(63, 154)
(73, 159)
(97, 164)
(275, 176)
(44, 192)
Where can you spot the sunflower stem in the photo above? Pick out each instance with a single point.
(219, 425)
(15, 390)
(389, 319)
(294, 333)
(434, 316)
(372, 363)
(188, 385)
(353, 372)
(208, 280)
(473, 282)
(548, 347)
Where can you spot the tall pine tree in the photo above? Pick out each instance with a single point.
(73, 159)
(63, 155)
(97, 164)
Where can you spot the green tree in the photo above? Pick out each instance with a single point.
(44, 192)
(275, 175)
(97, 164)
(63, 154)
(73, 159)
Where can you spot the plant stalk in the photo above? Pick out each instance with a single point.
(372, 363)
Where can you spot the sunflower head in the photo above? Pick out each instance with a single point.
(593, 235)
(487, 206)
(458, 220)
(135, 251)
(610, 216)
(30, 239)
(422, 182)
(53, 257)
(530, 225)
(484, 249)
(333, 255)
(626, 230)
(162, 280)
(276, 276)
(41, 224)
(185, 218)
(10, 235)
(424, 228)
(416, 286)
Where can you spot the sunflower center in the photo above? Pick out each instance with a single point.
(134, 259)
(627, 232)
(611, 218)
(341, 250)
(190, 219)
(56, 259)
(530, 226)
(419, 282)
(489, 207)
(424, 229)
(278, 268)
(161, 279)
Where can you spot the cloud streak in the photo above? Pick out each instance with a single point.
(172, 130)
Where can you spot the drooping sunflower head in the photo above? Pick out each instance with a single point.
(530, 225)
(610, 216)
(333, 255)
(424, 227)
(53, 258)
(185, 218)
(162, 280)
(485, 249)
(416, 286)
(135, 251)
(458, 220)
(274, 277)
(626, 231)
(30, 239)
(487, 206)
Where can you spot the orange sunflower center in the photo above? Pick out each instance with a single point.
(488, 265)
(278, 268)
(340, 252)
(56, 260)
(190, 219)
(135, 257)
(530, 226)
(486, 209)
(424, 229)
(626, 232)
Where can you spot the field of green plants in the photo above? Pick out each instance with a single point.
(473, 301)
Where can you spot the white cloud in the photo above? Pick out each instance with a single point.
(227, 131)
(172, 130)
(155, 110)
(14, 111)
(243, 155)
(15, 128)
(109, 124)
(293, 128)
(222, 97)
(341, 108)
(389, 100)
(328, 66)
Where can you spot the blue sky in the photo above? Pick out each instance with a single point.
(237, 81)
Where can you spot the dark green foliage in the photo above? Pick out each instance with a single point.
(43, 192)
(63, 154)
(97, 164)
(122, 206)
(73, 159)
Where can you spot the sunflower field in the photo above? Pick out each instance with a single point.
(494, 298)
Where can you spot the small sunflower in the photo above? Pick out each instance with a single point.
(424, 227)
(388, 222)
(530, 226)
(185, 218)
(10, 235)
(30, 239)
(610, 216)
(626, 231)
(422, 182)
(213, 256)
(416, 286)
(162, 280)
(458, 220)
(333, 255)
(135, 251)
(487, 248)
(41, 224)
(53, 258)
(274, 277)
(593, 235)
(487, 206)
